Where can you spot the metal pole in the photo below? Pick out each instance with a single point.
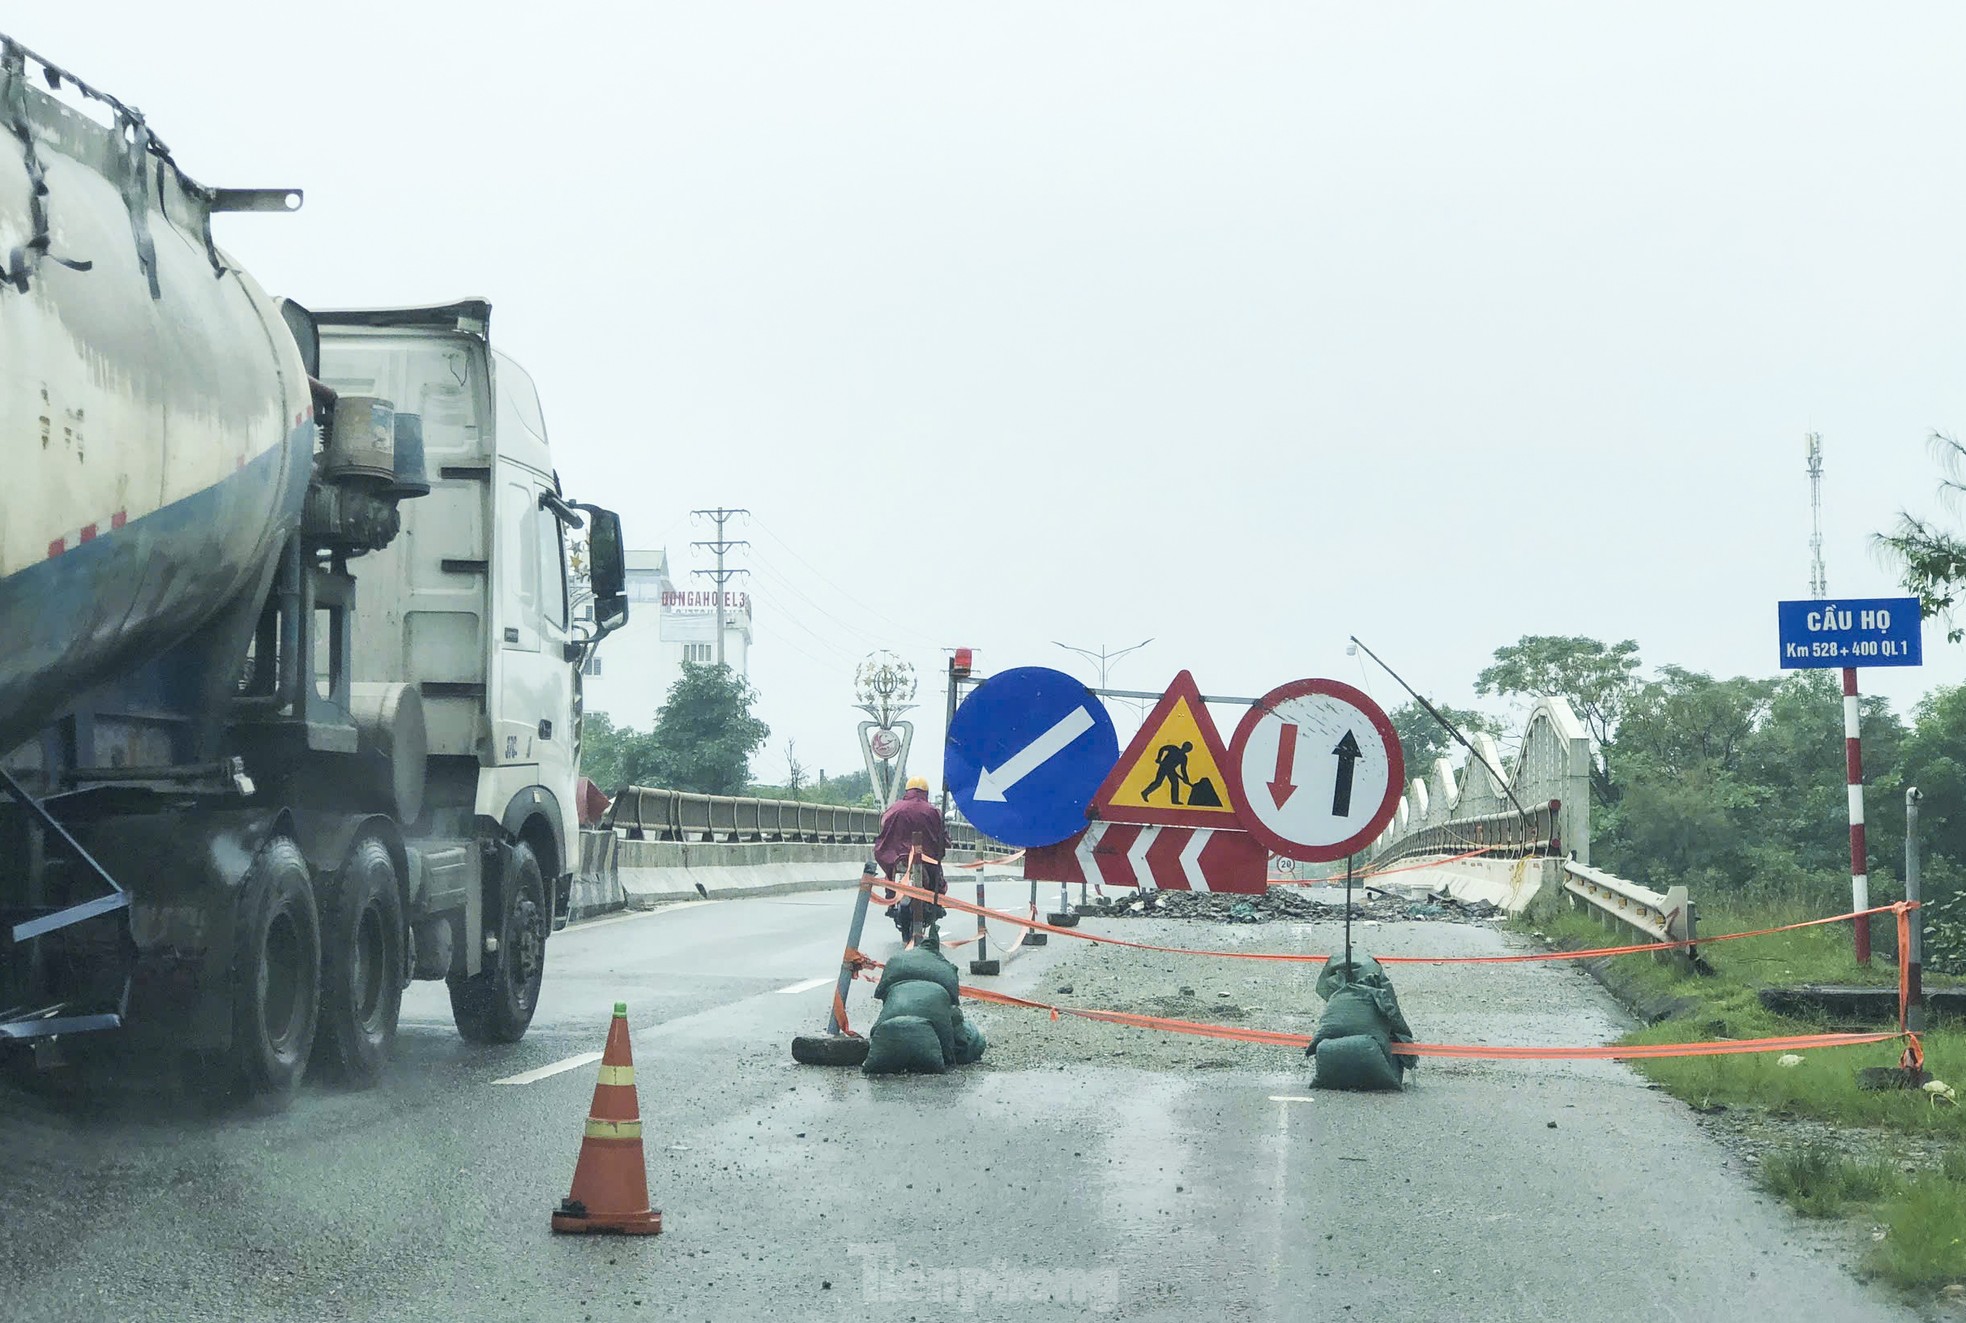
(835, 1023)
(1348, 916)
(1913, 955)
(982, 929)
(1853, 759)
(948, 720)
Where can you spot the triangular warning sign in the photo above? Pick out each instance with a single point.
(1173, 772)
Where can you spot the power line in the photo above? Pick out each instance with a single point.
(720, 544)
(905, 629)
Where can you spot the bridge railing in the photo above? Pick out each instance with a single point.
(1507, 835)
(645, 813)
(1445, 807)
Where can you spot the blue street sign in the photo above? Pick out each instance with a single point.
(1834, 632)
(1026, 751)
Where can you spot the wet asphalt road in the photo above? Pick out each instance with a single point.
(1082, 1169)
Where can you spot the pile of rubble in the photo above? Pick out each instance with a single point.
(1287, 904)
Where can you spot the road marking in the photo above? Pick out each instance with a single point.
(808, 985)
(1288, 1097)
(557, 1068)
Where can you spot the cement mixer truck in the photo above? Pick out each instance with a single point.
(289, 671)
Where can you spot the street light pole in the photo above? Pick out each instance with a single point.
(1102, 658)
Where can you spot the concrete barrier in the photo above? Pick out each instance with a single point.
(1511, 884)
(617, 873)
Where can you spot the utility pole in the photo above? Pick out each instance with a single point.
(719, 545)
(1818, 581)
(1102, 658)
(1853, 748)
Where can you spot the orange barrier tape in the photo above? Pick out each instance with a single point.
(1529, 957)
(1366, 873)
(1614, 1052)
(1913, 1057)
(1010, 858)
(1431, 863)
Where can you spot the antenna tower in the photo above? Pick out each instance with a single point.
(1818, 582)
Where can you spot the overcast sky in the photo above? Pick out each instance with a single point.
(1244, 327)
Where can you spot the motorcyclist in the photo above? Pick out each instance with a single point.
(912, 823)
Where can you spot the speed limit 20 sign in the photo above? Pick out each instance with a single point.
(1321, 770)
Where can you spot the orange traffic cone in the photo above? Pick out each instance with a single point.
(610, 1181)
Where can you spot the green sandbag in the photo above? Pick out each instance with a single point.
(1359, 1061)
(969, 1044)
(923, 1000)
(1362, 1020)
(901, 1044)
(920, 962)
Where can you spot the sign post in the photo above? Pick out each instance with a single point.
(1829, 635)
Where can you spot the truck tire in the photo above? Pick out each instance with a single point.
(276, 982)
(362, 966)
(496, 1004)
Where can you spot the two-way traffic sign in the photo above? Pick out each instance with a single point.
(1026, 751)
(1320, 770)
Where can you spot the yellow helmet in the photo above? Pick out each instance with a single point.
(917, 783)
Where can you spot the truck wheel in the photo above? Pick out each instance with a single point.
(276, 979)
(362, 966)
(496, 1004)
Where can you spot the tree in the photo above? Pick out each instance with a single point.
(615, 756)
(795, 771)
(1932, 561)
(705, 734)
(1684, 720)
(1598, 681)
(1424, 741)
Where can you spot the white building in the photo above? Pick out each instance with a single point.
(630, 674)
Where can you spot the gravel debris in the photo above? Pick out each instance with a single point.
(1290, 904)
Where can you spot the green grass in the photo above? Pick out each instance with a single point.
(1817, 1181)
(1924, 1243)
(1923, 1213)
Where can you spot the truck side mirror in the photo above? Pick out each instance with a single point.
(607, 568)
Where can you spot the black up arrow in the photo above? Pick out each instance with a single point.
(1341, 794)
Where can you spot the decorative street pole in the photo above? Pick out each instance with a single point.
(884, 684)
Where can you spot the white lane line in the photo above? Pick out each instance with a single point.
(1287, 1097)
(809, 984)
(557, 1068)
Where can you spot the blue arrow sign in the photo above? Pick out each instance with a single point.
(1026, 752)
(1848, 631)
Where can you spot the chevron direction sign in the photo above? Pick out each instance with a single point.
(1155, 858)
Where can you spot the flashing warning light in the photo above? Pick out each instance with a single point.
(960, 663)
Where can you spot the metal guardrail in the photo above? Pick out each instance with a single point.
(1658, 916)
(643, 813)
(1497, 835)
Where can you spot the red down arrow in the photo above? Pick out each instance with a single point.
(1282, 789)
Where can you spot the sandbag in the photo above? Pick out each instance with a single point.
(1357, 1061)
(900, 1044)
(920, 962)
(969, 1044)
(1361, 1022)
(923, 1000)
